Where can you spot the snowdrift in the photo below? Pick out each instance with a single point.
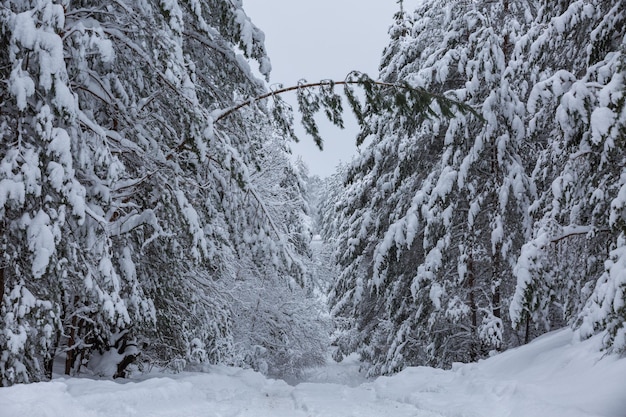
(554, 376)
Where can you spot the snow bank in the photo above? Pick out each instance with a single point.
(552, 377)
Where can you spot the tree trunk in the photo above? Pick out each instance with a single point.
(48, 362)
(71, 351)
(527, 335)
(496, 284)
(471, 283)
(1, 284)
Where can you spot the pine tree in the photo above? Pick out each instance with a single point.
(129, 215)
(443, 224)
(58, 265)
(436, 212)
(576, 111)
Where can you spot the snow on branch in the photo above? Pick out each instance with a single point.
(572, 231)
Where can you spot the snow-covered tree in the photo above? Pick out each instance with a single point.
(61, 274)
(436, 215)
(435, 209)
(286, 330)
(129, 216)
(575, 63)
(461, 237)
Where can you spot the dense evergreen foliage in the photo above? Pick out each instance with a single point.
(133, 227)
(151, 216)
(462, 237)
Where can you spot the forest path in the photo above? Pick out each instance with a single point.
(554, 376)
(224, 392)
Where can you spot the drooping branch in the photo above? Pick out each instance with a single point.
(404, 101)
(227, 112)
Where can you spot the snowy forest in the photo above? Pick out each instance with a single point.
(150, 221)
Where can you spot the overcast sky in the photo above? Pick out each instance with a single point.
(323, 39)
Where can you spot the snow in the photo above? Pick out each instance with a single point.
(554, 376)
(619, 202)
(175, 13)
(193, 221)
(528, 261)
(602, 119)
(436, 292)
(104, 46)
(11, 190)
(245, 28)
(608, 297)
(21, 86)
(41, 242)
(16, 341)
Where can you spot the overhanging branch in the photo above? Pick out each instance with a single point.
(227, 112)
(400, 100)
(440, 98)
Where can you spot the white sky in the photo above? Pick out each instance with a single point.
(323, 39)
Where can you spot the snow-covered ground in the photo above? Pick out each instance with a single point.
(551, 377)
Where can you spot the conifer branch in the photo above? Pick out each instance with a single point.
(227, 112)
(406, 102)
(249, 102)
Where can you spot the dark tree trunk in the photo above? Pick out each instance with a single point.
(121, 367)
(471, 284)
(1, 284)
(71, 352)
(497, 283)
